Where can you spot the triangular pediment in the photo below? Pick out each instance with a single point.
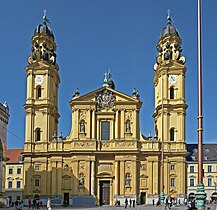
(92, 96)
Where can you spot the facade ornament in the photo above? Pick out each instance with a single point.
(128, 129)
(105, 99)
(83, 115)
(82, 126)
(128, 180)
(76, 93)
(81, 180)
(135, 93)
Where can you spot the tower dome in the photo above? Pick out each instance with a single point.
(170, 29)
(43, 28)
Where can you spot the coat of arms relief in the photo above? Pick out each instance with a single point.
(105, 99)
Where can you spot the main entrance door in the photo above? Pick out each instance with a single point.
(66, 199)
(104, 192)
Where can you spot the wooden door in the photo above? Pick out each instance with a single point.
(104, 192)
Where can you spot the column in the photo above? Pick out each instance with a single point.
(116, 124)
(116, 177)
(75, 123)
(93, 178)
(88, 129)
(122, 178)
(54, 178)
(134, 127)
(98, 130)
(59, 177)
(122, 124)
(93, 125)
(134, 177)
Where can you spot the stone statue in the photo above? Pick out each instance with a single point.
(128, 179)
(81, 180)
(128, 126)
(82, 127)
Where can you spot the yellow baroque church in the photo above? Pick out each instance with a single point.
(105, 158)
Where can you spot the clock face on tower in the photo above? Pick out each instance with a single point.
(39, 79)
(172, 79)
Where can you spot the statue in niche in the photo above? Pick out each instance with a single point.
(82, 127)
(81, 180)
(128, 126)
(127, 180)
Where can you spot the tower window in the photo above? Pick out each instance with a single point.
(39, 92)
(172, 134)
(105, 130)
(172, 93)
(38, 134)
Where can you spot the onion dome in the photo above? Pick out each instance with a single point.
(170, 29)
(108, 81)
(43, 28)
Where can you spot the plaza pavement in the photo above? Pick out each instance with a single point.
(139, 207)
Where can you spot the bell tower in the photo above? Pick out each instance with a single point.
(42, 90)
(170, 109)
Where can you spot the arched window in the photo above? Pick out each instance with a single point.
(38, 92)
(172, 134)
(172, 93)
(38, 134)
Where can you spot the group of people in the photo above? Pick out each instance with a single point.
(34, 204)
(131, 203)
(18, 205)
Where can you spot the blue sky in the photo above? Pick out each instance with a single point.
(94, 35)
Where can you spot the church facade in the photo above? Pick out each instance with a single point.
(105, 158)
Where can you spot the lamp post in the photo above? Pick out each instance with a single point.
(200, 194)
(162, 196)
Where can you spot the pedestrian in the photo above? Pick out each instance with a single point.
(130, 202)
(29, 203)
(126, 203)
(166, 203)
(153, 202)
(48, 204)
(16, 205)
(34, 204)
(134, 203)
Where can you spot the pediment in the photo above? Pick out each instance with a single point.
(143, 176)
(92, 97)
(66, 176)
(36, 191)
(104, 174)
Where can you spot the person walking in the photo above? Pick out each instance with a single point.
(29, 203)
(126, 203)
(48, 204)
